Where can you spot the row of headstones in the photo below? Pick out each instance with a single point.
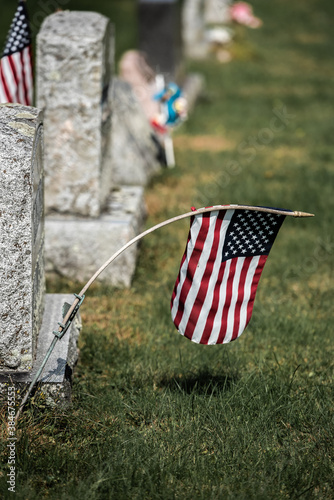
(98, 153)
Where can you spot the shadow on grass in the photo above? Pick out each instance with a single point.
(205, 382)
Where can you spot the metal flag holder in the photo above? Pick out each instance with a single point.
(70, 311)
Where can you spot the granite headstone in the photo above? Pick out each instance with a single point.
(22, 281)
(74, 68)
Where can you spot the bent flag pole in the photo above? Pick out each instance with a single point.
(214, 293)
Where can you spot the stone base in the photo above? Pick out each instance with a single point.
(78, 247)
(54, 384)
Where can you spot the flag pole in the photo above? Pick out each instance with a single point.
(73, 309)
(184, 216)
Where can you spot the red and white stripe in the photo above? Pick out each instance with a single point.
(212, 301)
(16, 79)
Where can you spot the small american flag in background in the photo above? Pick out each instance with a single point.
(214, 294)
(16, 80)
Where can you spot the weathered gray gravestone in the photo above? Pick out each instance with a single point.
(217, 11)
(25, 310)
(159, 27)
(74, 66)
(89, 216)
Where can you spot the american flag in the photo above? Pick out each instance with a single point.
(16, 80)
(214, 294)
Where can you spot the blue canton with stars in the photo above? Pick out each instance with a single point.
(251, 233)
(19, 35)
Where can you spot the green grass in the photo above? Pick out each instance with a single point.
(157, 417)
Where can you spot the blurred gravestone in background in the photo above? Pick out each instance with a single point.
(206, 28)
(217, 11)
(193, 29)
(159, 30)
(134, 146)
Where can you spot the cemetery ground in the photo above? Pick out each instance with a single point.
(155, 416)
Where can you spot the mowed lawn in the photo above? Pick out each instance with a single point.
(155, 416)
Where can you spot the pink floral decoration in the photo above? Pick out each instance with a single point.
(242, 13)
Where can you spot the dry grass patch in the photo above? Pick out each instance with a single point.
(311, 38)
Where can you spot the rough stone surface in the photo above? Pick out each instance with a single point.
(54, 384)
(22, 281)
(134, 150)
(85, 244)
(74, 65)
